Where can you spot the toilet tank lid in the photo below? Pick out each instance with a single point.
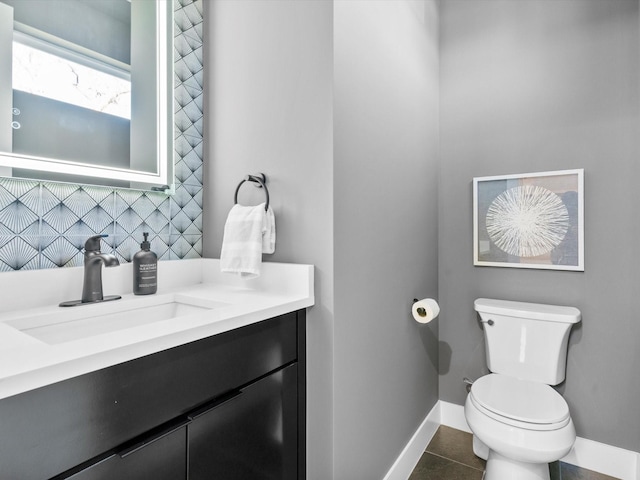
(534, 311)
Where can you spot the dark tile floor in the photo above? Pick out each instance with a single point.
(449, 456)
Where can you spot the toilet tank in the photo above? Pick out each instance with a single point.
(527, 340)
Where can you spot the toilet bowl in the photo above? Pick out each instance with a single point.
(525, 425)
(517, 418)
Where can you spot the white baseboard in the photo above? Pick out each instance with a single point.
(452, 415)
(599, 457)
(410, 455)
(603, 458)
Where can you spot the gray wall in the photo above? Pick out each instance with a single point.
(533, 86)
(269, 109)
(385, 221)
(351, 159)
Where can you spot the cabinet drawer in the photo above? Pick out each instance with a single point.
(164, 458)
(68, 423)
(251, 434)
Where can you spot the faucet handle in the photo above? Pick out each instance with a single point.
(93, 243)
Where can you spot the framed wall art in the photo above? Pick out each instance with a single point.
(533, 220)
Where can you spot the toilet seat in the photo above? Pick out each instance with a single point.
(520, 403)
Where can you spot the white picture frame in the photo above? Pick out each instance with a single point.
(532, 220)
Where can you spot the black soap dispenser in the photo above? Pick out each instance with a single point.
(145, 269)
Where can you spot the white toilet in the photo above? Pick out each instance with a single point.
(519, 422)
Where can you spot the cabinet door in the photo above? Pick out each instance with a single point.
(160, 457)
(251, 434)
(67, 423)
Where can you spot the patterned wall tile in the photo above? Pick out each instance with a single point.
(45, 224)
(17, 254)
(186, 246)
(60, 218)
(62, 252)
(19, 205)
(189, 113)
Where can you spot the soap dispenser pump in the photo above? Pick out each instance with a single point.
(145, 269)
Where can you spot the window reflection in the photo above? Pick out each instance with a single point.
(38, 72)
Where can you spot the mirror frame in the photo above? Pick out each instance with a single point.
(164, 175)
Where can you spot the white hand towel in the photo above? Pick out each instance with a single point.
(269, 235)
(248, 232)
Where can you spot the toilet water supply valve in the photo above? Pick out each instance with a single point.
(467, 383)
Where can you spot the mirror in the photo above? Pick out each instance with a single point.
(86, 91)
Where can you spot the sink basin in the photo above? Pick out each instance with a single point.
(95, 320)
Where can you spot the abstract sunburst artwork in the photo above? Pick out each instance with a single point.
(529, 221)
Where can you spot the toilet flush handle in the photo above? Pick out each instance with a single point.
(490, 322)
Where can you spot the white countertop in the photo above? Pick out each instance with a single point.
(27, 362)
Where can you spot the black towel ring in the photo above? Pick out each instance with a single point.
(261, 180)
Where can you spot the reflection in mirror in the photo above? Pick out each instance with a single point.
(84, 90)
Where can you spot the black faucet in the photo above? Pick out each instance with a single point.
(93, 261)
(92, 285)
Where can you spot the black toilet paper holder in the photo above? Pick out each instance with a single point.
(421, 311)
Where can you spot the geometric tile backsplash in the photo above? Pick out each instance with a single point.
(45, 224)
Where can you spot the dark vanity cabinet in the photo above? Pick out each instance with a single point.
(230, 406)
(241, 437)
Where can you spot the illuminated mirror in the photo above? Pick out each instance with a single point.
(86, 91)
